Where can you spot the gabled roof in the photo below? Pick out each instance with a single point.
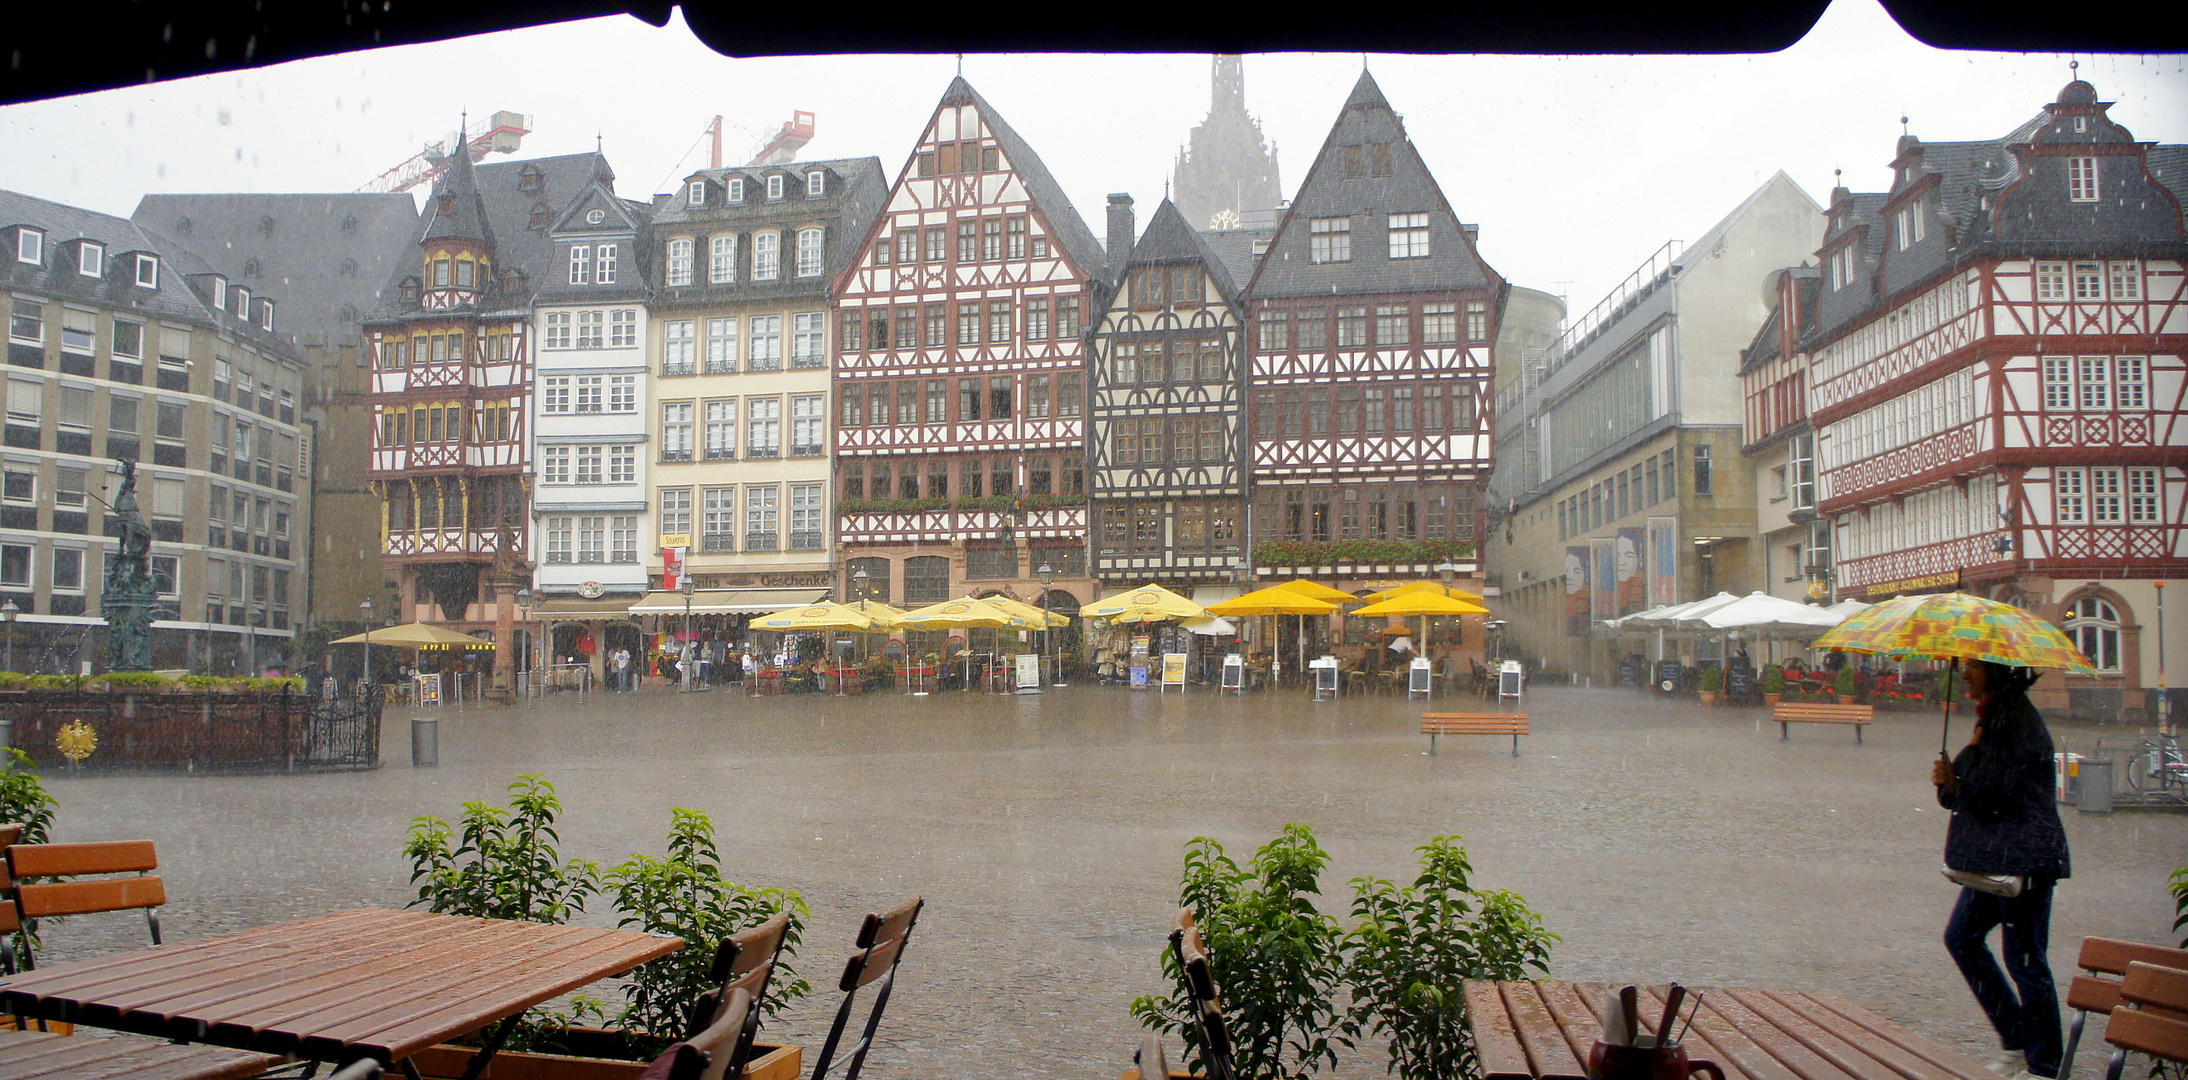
(618, 215)
(518, 244)
(1079, 241)
(849, 203)
(1236, 248)
(317, 255)
(1168, 239)
(1452, 264)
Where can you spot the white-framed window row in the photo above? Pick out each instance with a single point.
(615, 463)
(2096, 383)
(590, 328)
(1920, 315)
(2089, 281)
(1926, 517)
(2106, 495)
(1938, 406)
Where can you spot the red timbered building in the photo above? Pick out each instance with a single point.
(1996, 382)
(1779, 443)
(1168, 390)
(1369, 389)
(960, 378)
(451, 361)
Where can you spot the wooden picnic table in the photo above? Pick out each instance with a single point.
(1544, 1030)
(37, 1055)
(337, 987)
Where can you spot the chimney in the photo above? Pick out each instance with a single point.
(1121, 231)
(1473, 233)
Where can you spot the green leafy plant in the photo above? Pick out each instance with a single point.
(1331, 553)
(23, 800)
(684, 894)
(1273, 955)
(1845, 681)
(51, 682)
(130, 680)
(1773, 679)
(1713, 679)
(12, 680)
(2180, 901)
(203, 682)
(505, 865)
(1413, 947)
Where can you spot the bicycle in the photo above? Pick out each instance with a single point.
(2156, 765)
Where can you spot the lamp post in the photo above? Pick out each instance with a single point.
(9, 611)
(364, 609)
(1447, 571)
(524, 602)
(1047, 576)
(687, 585)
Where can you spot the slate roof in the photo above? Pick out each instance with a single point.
(1168, 239)
(1452, 264)
(622, 220)
(320, 256)
(465, 216)
(518, 244)
(852, 201)
(1236, 248)
(1079, 241)
(56, 276)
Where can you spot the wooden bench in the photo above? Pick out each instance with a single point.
(1499, 723)
(2097, 990)
(50, 898)
(2148, 1021)
(1789, 713)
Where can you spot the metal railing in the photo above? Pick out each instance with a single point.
(1653, 272)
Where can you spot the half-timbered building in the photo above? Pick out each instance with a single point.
(1369, 385)
(961, 372)
(1996, 382)
(1792, 553)
(1164, 440)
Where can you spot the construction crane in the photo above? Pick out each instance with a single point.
(497, 134)
(781, 147)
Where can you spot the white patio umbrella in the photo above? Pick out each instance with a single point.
(1762, 615)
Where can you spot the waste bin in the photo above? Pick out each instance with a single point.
(2095, 796)
(425, 741)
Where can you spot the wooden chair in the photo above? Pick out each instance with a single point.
(710, 1054)
(45, 899)
(1148, 1062)
(1200, 985)
(881, 946)
(2152, 1018)
(2097, 990)
(11, 923)
(735, 960)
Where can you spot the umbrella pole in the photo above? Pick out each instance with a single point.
(1944, 736)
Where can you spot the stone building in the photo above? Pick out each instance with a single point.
(122, 344)
(1226, 173)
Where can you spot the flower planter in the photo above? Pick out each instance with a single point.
(1709, 699)
(449, 1062)
(1770, 701)
(1846, 699)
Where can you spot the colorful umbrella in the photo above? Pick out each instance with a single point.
(1955, 626)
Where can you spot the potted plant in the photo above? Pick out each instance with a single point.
(1713, 680)
(1845, 685)
(1773, 685)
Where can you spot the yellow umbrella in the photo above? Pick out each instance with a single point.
(1027, 611)
(1438, 588)
(965, 614)
(1274, 600)
(1148, 603)
(821, 616)
(1422, 603)
(413, 635)
(1320, 592)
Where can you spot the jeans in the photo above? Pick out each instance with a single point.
(2026, 1013)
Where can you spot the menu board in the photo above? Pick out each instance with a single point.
(1029, 671)
(1234, 672)
(429, 690)
(1173, 669)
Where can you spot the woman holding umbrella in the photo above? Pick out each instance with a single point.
(2005, 825)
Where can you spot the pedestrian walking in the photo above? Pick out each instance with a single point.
(2007, 848)
(622, 660)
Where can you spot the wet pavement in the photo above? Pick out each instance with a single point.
(1661, 840)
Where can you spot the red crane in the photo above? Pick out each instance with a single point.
(500, 133)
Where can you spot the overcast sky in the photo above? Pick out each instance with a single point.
(1576, 168)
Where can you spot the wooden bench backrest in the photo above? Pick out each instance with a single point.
(880, 941)
(2158, 994)
(1795, 710)
(10, 922)
(719, 1041)
(46, 899)
(1467, 723)
(2151, 984)
(69, 860)
(2111, 957)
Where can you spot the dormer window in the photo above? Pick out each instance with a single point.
(774, 187)
(736, 189)
(531, 179)
(410, 290)
(242, 308)
(542, 216)
(816, 184)
(466, 273)
(220, 293)
(581, 264)
(30, 246)
(148, 271)
(2081, 123)
(697, 195)
(265, 314)
(606, 275)
(1907, 226)
(440, 273)
(90, 259)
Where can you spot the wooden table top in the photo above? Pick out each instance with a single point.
(36, 1055)
(365, 982)
(1544, 1030)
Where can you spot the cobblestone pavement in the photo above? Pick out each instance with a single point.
(1663, 841)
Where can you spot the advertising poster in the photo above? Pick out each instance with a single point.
(1029, 671)
(429, 691)
(1663, 561)
(1632, 575)
(1604, 551)
(1576, 592)
(1173, 669)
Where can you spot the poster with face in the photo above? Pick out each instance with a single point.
(1663, 560)
(1576, 592)
(1632, 581)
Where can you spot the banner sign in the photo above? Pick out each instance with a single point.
(672, 568)
(1029, 671)
(1663, 561)
(1913, 584)
(1576, 592)
(1632, 576)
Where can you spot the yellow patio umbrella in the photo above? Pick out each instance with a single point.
(1423, 604)
(415, 635)
(1436, 587)
(1027, 611)
(1320, 592)
(965, 614)
(1148, 603)
(1274, 600)
(822, 616)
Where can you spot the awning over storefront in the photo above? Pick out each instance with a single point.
(578, 609)
(727, 601)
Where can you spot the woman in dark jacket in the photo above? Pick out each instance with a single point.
(2004, 821)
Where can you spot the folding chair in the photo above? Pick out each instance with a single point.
(2152, 1018)
(2097, 990)
(1148, 1062)
(11, 923)
(881, 945)
(1200, 986)
(710, 1054)
(53, 898)
(738, 956)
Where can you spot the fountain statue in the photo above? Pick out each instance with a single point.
(130, 593)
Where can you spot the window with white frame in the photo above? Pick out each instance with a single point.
(718, 516)
(2094, 373)
(676, 347)
(2070, 496)
(2088, 281)
(591, 329)
(581, 264)
(592, 538)
(809, 252)
(2081, 179)
(27, 322)
(623, 328)
(696, 194)
(766, 255)
(591, 393)
(554, 464)
(2094, 628)
(1477, 320)
(1329, 240)
(15, 565)
(623, 538)
(2127, 280)
(589, 460)
(766, 351)
(2050, 281)
(2058, 382)
(623, 464)
(2106, 507)
(148, 271)
(760, 517)
(554, 394)
(764, 425)
(722, 259)
(774, 187)
(30, 246)
(806, 517)
(721, 430)
(721, 346)
(2130, 388)
(816, 183)
(90, 259)
(2142, 496)
(1439, 324)
(79, 331)
(558, 331)
(808, 339)
(606, 264)
(678, 271)
(1409, 236)
(736, 189)
(559, 548)
(676, 431)
(675, 511)
(808, 425)
(68, 571)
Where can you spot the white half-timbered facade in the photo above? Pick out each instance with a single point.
(960, 376)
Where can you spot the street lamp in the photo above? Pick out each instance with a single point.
(9, 611)
(364, 610)
(1047, 576)
(687, 585)
(1447, 571)
(524, 601)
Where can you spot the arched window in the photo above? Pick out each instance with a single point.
(679, 261)
(2094, 627)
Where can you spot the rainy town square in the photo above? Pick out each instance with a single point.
(887, 601)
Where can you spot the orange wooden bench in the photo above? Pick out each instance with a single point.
(2152, 1018)
(47, 899)
(1789, 713)
(1498, 723)
(2104, 963)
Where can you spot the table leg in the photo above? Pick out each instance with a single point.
(485, 1055)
